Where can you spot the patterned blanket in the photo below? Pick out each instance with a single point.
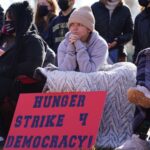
(116, 123)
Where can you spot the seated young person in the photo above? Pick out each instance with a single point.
(83, 49)
(27, 51)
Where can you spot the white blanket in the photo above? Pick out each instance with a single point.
(116, 123)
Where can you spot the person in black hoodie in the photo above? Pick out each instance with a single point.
(141, 37)
(26, 53)
(114, 24)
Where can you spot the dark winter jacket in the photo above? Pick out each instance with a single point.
(117, 28)
(141, 38)
(24, 62)
(58, 29)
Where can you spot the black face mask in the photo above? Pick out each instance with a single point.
(8, 28)
(144, 3)
(63, 4)
(43, 10)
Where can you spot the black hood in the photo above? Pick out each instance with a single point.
(22, 14)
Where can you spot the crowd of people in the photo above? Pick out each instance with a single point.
(83, 39)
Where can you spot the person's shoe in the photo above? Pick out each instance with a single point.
(138, 98)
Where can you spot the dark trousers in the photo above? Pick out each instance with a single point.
(5, 108)
(5, 87)
(9, 93)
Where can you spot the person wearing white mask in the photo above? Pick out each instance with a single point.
(114, 23)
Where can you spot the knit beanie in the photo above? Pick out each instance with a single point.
(84, 16)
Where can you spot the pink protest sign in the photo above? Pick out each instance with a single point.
(56, 121)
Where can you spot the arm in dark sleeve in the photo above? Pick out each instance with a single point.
(135, 33)
(1, 17)
(35, 54)
(127, 31)
(50, 35)
(136, 39)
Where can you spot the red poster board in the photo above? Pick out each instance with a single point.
(56, 121)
